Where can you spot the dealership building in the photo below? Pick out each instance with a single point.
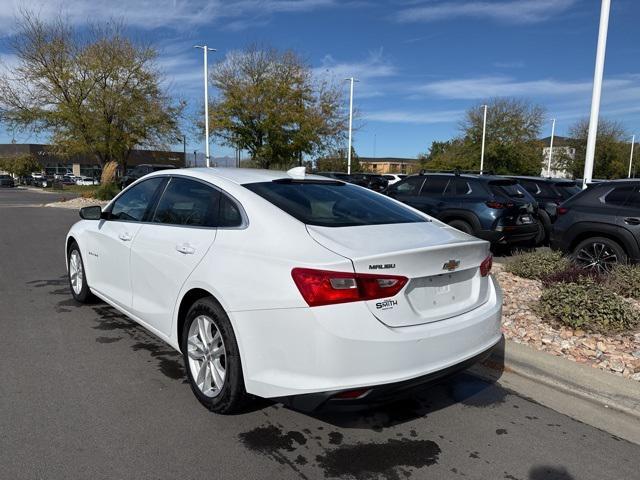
(84, 165)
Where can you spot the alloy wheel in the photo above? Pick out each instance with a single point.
(76, 272)
(597, 256)
(207, 356)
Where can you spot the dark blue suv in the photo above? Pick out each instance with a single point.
(493, 208)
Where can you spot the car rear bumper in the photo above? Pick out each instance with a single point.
(508, 234)
(380, 394)
(323, 350)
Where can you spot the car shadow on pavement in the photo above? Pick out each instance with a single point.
(464, 388)
(546, 472)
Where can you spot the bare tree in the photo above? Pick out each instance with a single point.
(95, 92)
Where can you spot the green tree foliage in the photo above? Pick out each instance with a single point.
(270, 105)
(20, 165)
(612, 149)
(95, 92)
(511, 147)
(336, 161)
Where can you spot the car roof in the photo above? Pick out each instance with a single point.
(164, 165)
(542, 179)
(484, 177)
(238, 176)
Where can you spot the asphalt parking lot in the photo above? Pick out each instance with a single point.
(86, 393)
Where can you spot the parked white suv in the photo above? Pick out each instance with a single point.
(288, 286)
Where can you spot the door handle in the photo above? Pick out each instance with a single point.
(125, 236)
(186, 249)
(632, 221)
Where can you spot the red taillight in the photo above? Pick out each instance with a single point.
(562, 210)
(498, 205)
(352, 394)
(485, 266)
(322, 287)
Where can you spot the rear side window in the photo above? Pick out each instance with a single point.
(329, 204)
(617, 196)
(634, 199)
(229, 215)
(509, 188)
(187, 202)
(435, 185)
(567, 189)
(458, 186)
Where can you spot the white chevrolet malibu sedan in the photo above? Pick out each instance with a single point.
(288, 286)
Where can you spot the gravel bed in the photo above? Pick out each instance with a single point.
(77, 203)
(616, 353)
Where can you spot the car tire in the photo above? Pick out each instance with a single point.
(461, 225)
(213, 367)
(544, 229)
(599, 253)
(77, 276)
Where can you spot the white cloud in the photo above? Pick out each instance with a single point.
(424, 117)
(150, 14)
(374, 66)
(496, 86)
(516, 11)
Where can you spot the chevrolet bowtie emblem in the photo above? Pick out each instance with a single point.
(451, 265)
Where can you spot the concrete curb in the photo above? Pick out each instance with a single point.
(576, 379)
(585, 393)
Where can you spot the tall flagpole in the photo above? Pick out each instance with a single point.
(597, 90)
(206, 49)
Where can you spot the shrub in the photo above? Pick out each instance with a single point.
(625, 280)
(588, 306)
(537, 265)
(107, 191)
(574, 274)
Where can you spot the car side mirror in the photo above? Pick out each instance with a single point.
(91, 213)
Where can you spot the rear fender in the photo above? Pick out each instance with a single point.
(583, 230)
(459, 214)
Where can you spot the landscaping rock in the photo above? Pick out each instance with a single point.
(617, 353)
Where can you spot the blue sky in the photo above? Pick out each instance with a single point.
(420, 63)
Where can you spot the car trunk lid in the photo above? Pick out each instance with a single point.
(441, 263)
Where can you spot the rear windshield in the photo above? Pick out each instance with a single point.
(510, 188)
(333, 204)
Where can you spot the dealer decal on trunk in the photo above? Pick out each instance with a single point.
(386, 304)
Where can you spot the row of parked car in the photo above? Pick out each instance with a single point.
(599, 226)
(378, 183)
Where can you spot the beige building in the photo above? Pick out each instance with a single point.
(389, 165)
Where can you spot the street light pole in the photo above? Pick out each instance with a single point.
(351, 80)
(597, 90)
(206, 49)
(484, 132)
(553, 131)
(633, 141)
(184, 150)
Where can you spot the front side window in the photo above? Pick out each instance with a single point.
(133, 204)
(333, 204)
(188, 202)
(410, 186)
